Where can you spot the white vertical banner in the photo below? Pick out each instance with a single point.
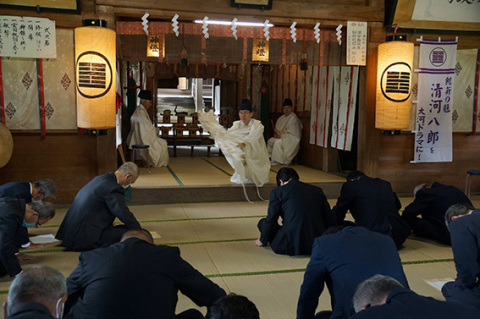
(118, 116)
(464, 93)
(321, 105)
(356, 43)
(21, 94)
(344, 101)
(59, 83)
(433, 128)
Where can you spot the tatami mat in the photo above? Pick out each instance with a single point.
(158, 176)
(218, 240)
(246, 257)
(215, 170)
(231, 209)
(419, 274)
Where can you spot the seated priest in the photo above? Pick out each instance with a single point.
(284, 144)
(143, 132)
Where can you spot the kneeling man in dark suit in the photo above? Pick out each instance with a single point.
(464, 224)
(383, 297)
(136, 279)
(341, 259)
(426, 214)
(88, 223)
(305, 215)
(13, 212)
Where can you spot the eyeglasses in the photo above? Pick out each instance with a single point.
(37, 222)
(39, 195)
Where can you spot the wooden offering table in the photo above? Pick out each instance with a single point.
(192, 141)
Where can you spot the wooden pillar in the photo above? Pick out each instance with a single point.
(106, 144)
(369, 137)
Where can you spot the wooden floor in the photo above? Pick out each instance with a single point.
(218, 240)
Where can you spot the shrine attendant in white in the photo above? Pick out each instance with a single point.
(143, 132)
(253, 165)
(284, 144)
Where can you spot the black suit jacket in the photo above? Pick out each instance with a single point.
(342, 261)
(465, 234)
(305, 215)
(135, 279)
(12, 212)
(432, 203)
(16, 190)
(93, 211)
(30, 310)
(373, 205)
(403, 303)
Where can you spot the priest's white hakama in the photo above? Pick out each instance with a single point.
(251, 163)
(282, 150)
(143, 132)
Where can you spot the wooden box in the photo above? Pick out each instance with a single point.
(181, 119)
(165, 130)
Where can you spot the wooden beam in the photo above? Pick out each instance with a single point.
(281, 9)
(191, 16)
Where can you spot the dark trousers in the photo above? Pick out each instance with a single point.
(463, 295)
(425, 228)
(22, 236)
(190, 314)
(3, 270)
(323, 314)
(262, 224)
(112, 235)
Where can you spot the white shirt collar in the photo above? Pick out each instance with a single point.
(249, 123)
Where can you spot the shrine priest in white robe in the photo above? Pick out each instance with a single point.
(254, 165)
(284, 145)
(142, 132)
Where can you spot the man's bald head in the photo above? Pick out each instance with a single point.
(139, 233)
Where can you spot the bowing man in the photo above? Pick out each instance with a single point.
(88, 223)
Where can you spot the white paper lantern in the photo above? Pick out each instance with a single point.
(394, 84)
(95, 74)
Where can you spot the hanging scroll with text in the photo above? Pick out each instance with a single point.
(27, 37)
(356, 43)
(433, 127)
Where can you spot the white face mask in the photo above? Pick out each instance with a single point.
(59, 315)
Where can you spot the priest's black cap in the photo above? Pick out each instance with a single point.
(287, 102)
(145, 95)
(245, 104)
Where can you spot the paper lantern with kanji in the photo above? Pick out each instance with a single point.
(96, 75)
(394, 81)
